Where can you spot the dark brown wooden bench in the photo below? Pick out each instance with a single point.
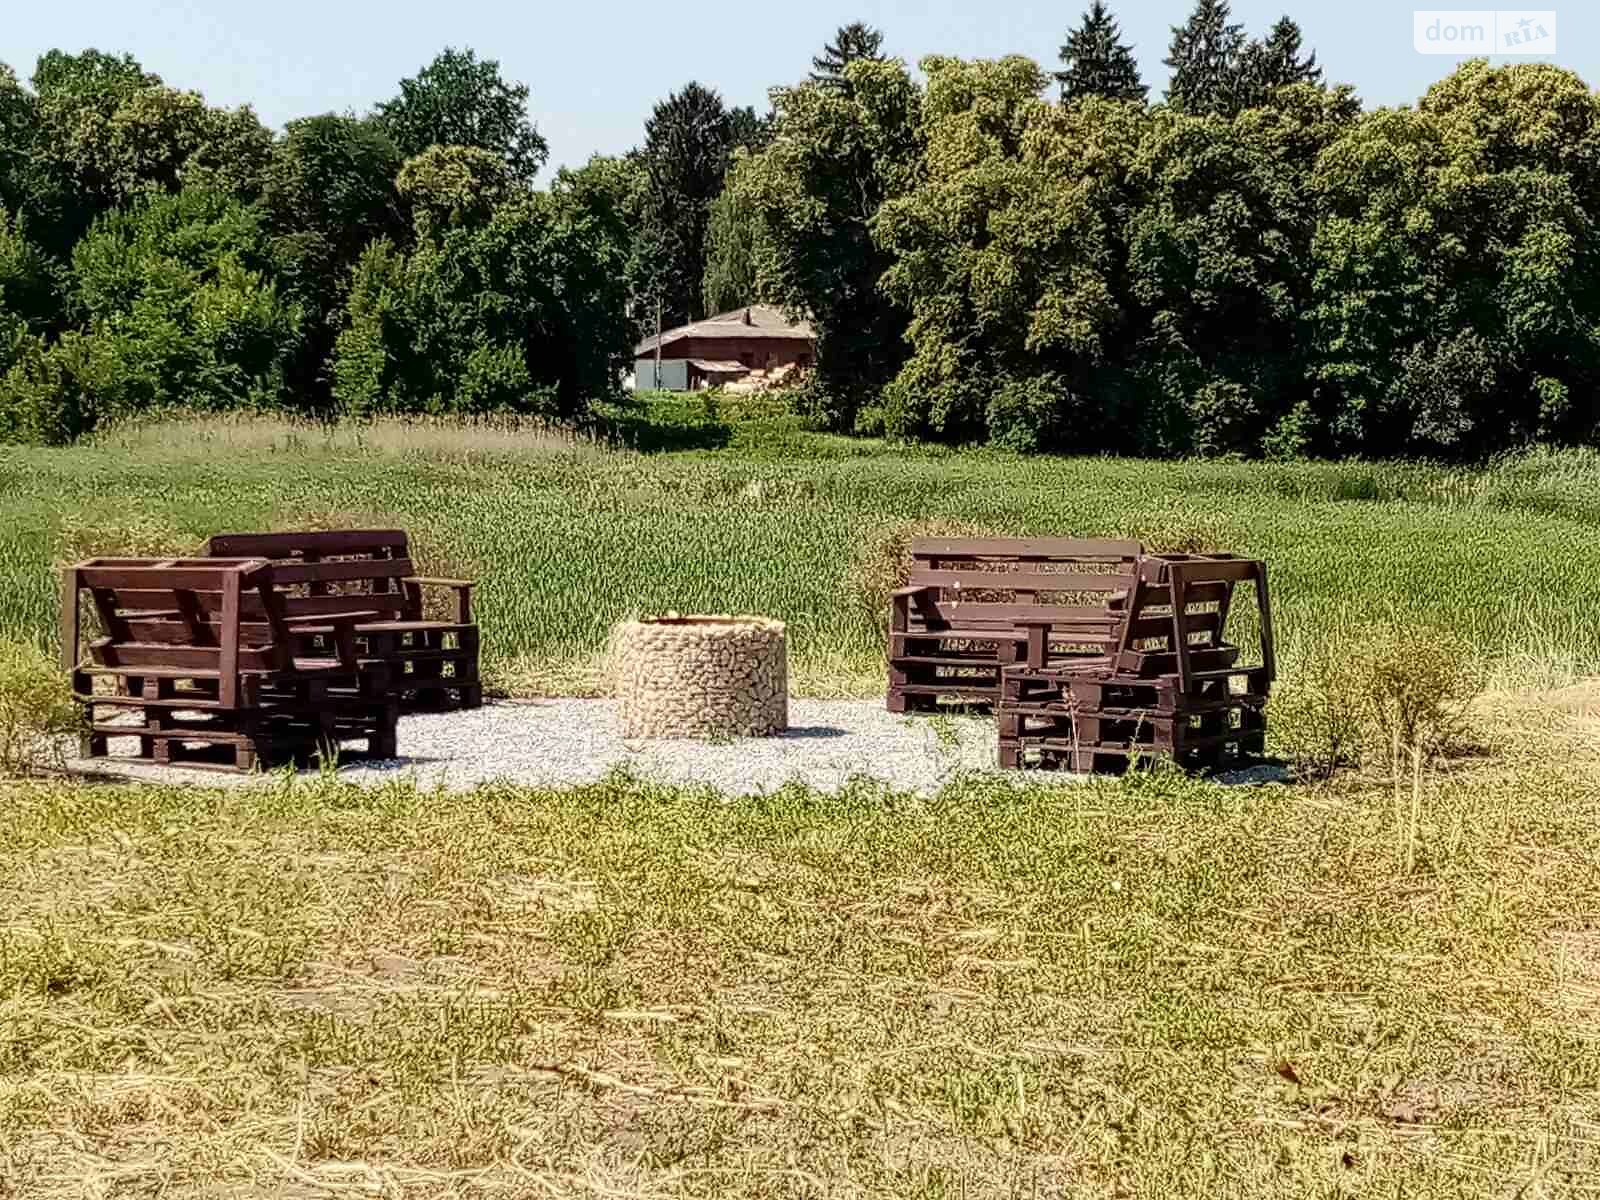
(428, 663)
(1174, 684)
(963, 615)
(197, 659)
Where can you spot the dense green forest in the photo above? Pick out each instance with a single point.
(990, 252)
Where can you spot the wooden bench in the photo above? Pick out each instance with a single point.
(1173, 685)
(428, 663)
(197, 659)
(964, 612)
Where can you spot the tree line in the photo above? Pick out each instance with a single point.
(989, 251)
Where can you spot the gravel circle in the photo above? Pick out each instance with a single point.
(564, 742)
(557, 743)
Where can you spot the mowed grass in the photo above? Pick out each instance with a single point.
(1153, 987)
(568, 536)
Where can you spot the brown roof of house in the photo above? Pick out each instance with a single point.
(756, 321)
(712, 366)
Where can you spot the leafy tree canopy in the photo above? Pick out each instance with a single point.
(461, 100)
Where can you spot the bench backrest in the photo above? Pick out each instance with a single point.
(1192, 594)
(217, 616)
(1080, 584)
(333, 571)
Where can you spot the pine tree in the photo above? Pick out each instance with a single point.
(1274, 63)
(851, 43)
(1096, 62)
(1207, 59)
(687, 142)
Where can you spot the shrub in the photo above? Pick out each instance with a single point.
(1184, 530)
(1375, 693)
(36, 707)
(1316, 717)
(99, 532)
(882, 560)
(1414, 685)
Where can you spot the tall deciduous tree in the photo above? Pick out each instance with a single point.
(1206, 58)
(854, 42)
(688, 139)
(730, 279)
(1007, 261)
(461, 100)
(113, 132)
(1217, 249)
(329, 192)
(180, 308)
(1096, 62)
(522, 310)
(816, 191)
(1456, 270)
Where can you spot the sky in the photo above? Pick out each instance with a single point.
(596, 67)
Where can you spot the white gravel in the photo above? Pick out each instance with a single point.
(556, 742)
(553, 742)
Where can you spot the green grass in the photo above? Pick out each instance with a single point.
(1149, 988)
(568, 537)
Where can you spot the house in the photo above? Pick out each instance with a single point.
(724, 348)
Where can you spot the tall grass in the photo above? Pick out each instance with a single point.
(568, 536)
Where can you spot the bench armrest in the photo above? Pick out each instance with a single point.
(907, 592)
(454, 583)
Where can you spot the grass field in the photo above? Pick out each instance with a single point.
(568, 537)
(1149, 987)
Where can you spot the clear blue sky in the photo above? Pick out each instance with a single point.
(596, 66)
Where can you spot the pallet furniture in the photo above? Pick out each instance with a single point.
(1173, 686)
(197, 660)
(972, 606)
(430, 664)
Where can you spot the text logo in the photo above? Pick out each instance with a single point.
(1470, 31)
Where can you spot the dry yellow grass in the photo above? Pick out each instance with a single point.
(1150, 988)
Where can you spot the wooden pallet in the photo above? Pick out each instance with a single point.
(430, 664)
(244, 740)
(960, 619)
(1050, 755)
(1022, 686)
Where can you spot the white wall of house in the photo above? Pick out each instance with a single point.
(674, 375)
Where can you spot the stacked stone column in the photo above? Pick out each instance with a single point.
(702, 677)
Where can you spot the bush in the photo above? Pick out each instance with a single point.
(1315, 716)
(1414, 685)
(882, 560)
(1374, 693)
(103, 532)
(36, 707)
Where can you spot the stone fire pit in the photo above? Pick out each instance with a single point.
(702, 677)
